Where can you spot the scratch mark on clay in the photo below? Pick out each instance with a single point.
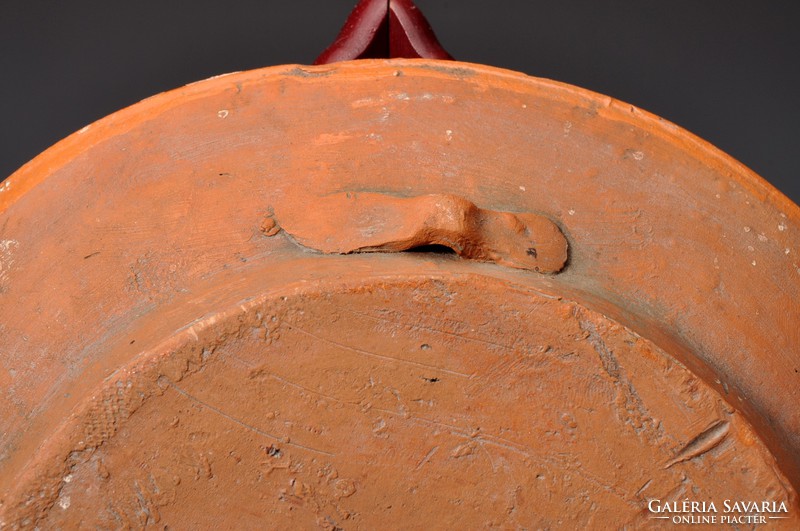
(462, 337)
(418, 326)
(705, 441)
(329, 139)
(644, 487)
(311, 71)
(6, 257)
(260, 372)
(459, 72)
(636, 155)
(243, 424)
(427, 457)
(481, 440)
(517, 448)
(630, 407)
(144, 504)
(488, 455)
(498, 371)
(374, 355)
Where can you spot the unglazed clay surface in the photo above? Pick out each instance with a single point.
(187, 339)
(496, 406)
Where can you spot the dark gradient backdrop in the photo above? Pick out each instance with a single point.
(727, 70)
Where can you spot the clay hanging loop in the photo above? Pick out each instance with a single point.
(384, 29)
(366, 222)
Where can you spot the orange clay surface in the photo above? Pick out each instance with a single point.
(208, 317)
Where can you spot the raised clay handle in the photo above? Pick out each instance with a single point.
(370, 222)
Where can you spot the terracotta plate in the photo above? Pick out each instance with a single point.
(394, 293)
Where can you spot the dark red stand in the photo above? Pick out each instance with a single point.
(384, 29)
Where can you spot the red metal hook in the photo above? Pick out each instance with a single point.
(384, 29)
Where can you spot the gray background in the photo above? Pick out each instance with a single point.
(727, 70)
